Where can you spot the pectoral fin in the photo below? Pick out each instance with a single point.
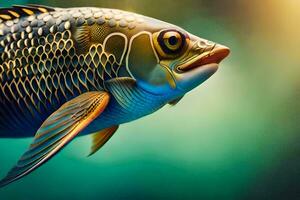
(175, 101)
(57, 131)
(125, 91)
(101, 137)
(132, 97)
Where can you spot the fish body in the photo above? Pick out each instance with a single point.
(77, 71)
(49, 58)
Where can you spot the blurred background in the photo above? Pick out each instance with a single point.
(234, 137)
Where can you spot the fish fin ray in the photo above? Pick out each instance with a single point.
(101, 137)
(124, 90)
(18, 11)
(40, 152)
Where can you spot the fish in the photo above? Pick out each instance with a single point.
(70, 72)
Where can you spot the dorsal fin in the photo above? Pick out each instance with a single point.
(18, 11)
(42, 8)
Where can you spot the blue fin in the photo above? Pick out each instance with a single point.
(125, 91)
(175, 101)
(132, 97)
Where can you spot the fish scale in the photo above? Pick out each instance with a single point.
(41, 67)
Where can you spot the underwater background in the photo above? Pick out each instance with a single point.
(234, 137)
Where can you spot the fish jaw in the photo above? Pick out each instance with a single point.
(194, 72)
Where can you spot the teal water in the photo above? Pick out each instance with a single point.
(234, 137)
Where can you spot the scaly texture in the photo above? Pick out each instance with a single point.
(49, 58)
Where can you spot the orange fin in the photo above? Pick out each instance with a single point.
(57, 131)
(101, 137)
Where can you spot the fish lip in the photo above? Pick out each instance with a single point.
(214, 56)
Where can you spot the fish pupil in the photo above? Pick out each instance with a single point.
(173, 40)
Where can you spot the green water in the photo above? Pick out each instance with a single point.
(234, 137)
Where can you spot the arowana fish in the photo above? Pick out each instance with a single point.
(79, 71)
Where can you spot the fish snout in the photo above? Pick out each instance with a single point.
(205, 57)
(210, 54)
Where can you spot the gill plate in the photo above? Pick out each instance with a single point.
(169, 74)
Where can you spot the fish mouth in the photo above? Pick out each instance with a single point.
(214, 56)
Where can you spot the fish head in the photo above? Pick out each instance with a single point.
(170, 61)
(193, 59)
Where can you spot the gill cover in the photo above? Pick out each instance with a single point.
(144, 65)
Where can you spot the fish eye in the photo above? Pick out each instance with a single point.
(172, 40)
(170, 43)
